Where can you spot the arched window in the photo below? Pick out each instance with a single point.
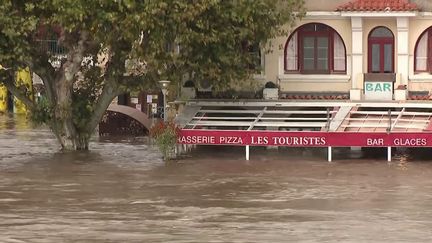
(381, 51)
(315, 49)
(423, 51)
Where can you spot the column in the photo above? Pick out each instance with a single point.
(402, 49)
(357, 58)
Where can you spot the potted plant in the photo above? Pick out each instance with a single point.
(271, 91)
(165, 135)
(188, 90)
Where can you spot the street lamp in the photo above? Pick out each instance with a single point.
(164, 86)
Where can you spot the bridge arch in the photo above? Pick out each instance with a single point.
(124, 120)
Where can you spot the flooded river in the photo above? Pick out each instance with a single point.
(122, 191)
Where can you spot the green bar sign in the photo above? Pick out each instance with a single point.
(379, 87)
(378, 90)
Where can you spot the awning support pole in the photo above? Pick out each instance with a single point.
(329, 154)
(389, 154)
(247, 152)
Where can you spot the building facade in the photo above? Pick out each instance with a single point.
(358, 50)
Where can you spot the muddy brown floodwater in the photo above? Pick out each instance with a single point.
(122, 191)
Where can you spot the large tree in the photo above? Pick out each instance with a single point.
(110, 46)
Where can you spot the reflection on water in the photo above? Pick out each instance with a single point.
(121, 191)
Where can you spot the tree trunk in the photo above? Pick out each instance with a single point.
(63, 125)
(69, 139)
(78, 142)
(68, 135)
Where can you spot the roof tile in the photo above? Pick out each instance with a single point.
(378, 5)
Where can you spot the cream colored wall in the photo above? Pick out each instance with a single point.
(274, 67)
(272, 60)
(417, 25)
(416, 28)
(420, 86)
(315, 87)
(368, 25)
(418, 81)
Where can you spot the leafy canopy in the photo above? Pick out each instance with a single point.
(88, 52)
(211, 34)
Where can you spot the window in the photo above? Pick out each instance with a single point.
(381, 51)
(47, 38)
(423, 52)
(315, 49)
(254, 51)
(254, 57)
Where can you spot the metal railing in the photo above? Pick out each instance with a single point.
(51, 46)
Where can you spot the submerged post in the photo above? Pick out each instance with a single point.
(388, 131)
(164, 87)
(389, 121)
(329, 155)
(389, 154)
(247, 152)
(328, 120)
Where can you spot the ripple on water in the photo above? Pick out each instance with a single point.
(121, 191)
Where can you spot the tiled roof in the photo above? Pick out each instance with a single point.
(342, 97)
(378, 5)
(315, 97)
(420, 97)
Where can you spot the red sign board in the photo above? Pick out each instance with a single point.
(304, 139)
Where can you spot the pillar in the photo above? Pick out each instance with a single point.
(402, 49)
(247, 152)
(357, 58)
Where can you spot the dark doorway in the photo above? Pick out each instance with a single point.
(123, 99)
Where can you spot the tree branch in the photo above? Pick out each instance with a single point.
(74, 59)
(39, 64)
(7, 78)
(109, 92)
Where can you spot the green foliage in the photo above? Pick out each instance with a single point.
(165, 134)
(85, 94)
(113, 46)
(213, 36)
(43, 111)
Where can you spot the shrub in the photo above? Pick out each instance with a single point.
(165, 135)
(270, 85)
(189, 84)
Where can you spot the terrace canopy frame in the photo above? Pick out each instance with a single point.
(306, 124)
